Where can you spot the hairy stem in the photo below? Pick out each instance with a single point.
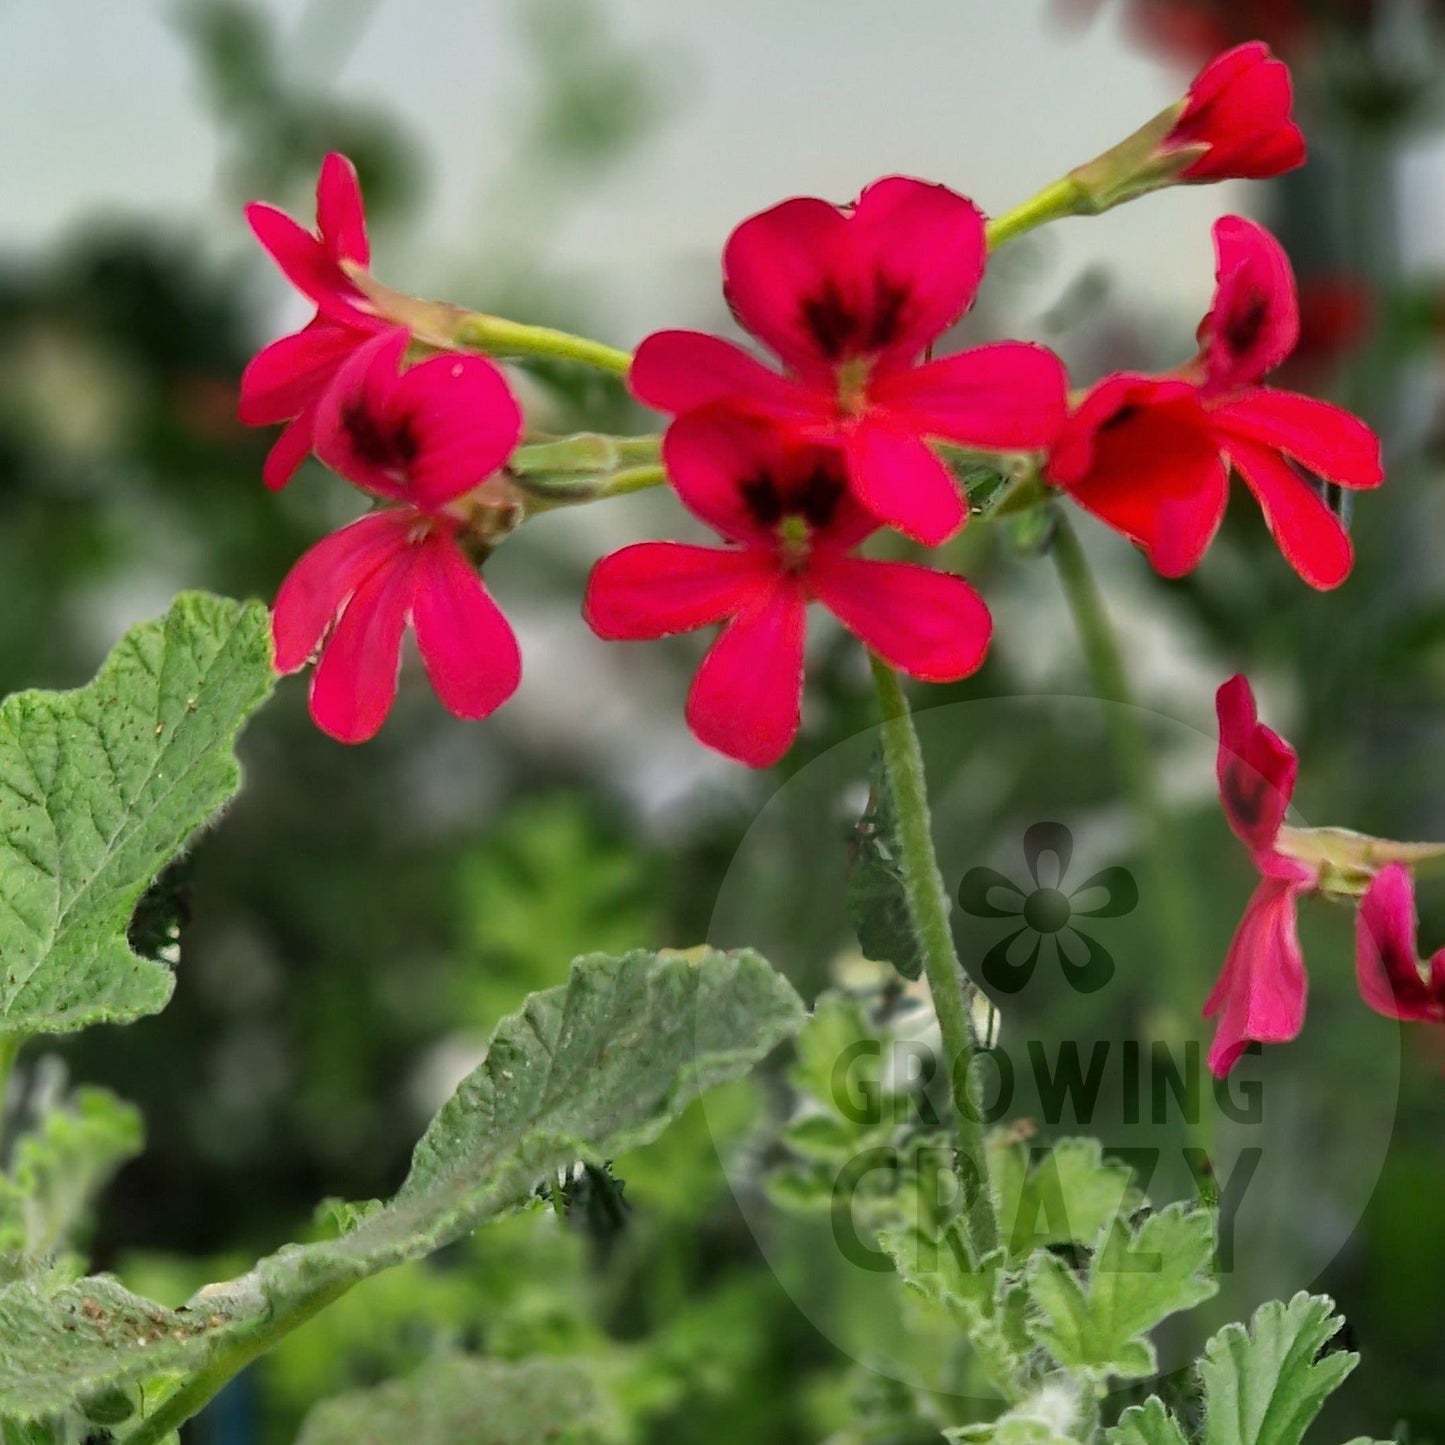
(928, 910)
(1174, 902)
(228, 1362)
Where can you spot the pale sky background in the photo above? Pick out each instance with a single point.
(98, 111)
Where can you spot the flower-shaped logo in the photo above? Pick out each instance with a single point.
(1048, 917)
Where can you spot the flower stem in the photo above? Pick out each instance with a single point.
(10, 1046)
(498, 337)
(1174, 908)
(1053, 203)
(928, 910)
(451, 328)
(214, 1376)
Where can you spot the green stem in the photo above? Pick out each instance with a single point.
(1053, 203)
(499, 337)
(928, 910)
(213, 1377)
(10, 1046)
(1174, 909)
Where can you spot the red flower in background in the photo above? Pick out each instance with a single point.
(1151, 456)
(1188, 31)
(1260, 995)
(1240, 108)
(785, 510)
(286, 380)
(1387, 953)
(421, 438)
(850, 299)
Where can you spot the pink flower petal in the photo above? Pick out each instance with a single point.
(464, 420)
(1240, 106)
(678, 371)
(820, 286)
(1260, 995)
(354, 684)
(1387, 961)
(290, 374)
(468, 647)
(654, 589)
(931, 624)
(426, 435)
(1142, 460)
(1312, 538)
(747, 696)
(899, 479)
(302, 259)
(710, 455)
(325, 576)
(1255, 767)
(1012, 394)
(1324, 439)
(340, 215)
(290, 449)
(1253, 325)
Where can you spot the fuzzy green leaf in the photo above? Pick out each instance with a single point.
(1147, 1424)
(585, 1071)
(1097, 1327)
(484, 1402)
(1265, 1385)
(99, 789)
(980, 1295)
(58, 1170)
(1068, 1194)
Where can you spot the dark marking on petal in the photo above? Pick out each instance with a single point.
(763, 500)
(391, 447)
(1246, 792)
(843, 328)
(1243, 327)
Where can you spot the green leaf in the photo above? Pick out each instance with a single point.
(981, 1295)
(484, 1402)
(1147, 1424)
(877, 895)
(1068, 1194)
(58, 1170)
(99, 790)
(1265, 1385)
(1096, 1327)
(586, 1071)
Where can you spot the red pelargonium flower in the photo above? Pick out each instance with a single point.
(784, 509)
(850, 299)
(424, 439)
(1151, 456)
(1260, 995)
(286, 380)
(1240, 109)
(1387, 952)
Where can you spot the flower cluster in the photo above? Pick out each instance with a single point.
(1261, 992)
(859, 427)
(427, 440)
